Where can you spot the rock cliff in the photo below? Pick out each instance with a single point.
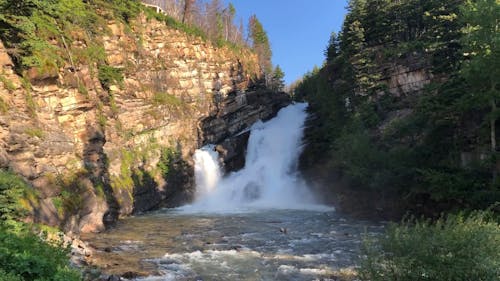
(96, 151)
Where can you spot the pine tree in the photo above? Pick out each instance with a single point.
(260, 44)
(332, 50)
(481, 44)
(277, 81)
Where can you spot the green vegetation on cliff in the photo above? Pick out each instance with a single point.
(40, 33)
(430, 143)
(24, 255)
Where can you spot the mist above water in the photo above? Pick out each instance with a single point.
(269, 178)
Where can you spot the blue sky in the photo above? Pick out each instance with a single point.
(298, 29)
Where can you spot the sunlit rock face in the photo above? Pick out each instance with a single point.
(95, 154)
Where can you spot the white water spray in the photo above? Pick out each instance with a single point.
(269, 178)
(206, 170)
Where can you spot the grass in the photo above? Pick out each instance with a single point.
(4, 107)
(161, 98)
(34, 132)
(7, 83)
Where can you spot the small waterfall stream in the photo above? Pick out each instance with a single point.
(269, 178)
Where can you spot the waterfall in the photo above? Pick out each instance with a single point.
(206, 170)
(269, 178)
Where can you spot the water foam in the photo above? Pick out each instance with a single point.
(269, 179)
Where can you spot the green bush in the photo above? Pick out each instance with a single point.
(25, 256)
(12, 190)
(456, 248)
(4, 276)
(109, 75)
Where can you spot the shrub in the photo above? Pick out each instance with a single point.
(454, 248)
(25, 256)
(109, 75)
(34, 132)
(4, 276)
(167, 157)
(7, 83)
(12, 190)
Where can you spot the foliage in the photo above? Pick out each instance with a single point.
(260, 43)
(34, 132)
(481, 42)
(25, 256)
(457, 247)
(7, 83)
(39, 33)
(413, 146)
(209, 20)
(124, 180)
(12, 190)
(167, 158)
(174, 23)
(4, 107)
(109, 76)
(70, 200)
(166, 99)
(277, 82)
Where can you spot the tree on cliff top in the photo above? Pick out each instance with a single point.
(260, 43)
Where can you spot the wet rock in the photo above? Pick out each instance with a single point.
(130, 275)
(233, 150)
(114, 278)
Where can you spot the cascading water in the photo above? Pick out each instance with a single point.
(206, 171)
(269, 178)
(234, 231)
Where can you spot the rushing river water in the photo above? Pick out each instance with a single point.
(263, 245)
(260, 223)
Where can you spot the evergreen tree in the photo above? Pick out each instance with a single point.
(277, 82)
(260, 44)
(481, 44)
(332, 50)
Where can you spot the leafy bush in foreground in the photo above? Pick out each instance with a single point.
(455, 248)
(25, 256)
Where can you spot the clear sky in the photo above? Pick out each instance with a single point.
(298, 29)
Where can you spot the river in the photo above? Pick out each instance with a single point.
(263, 245)
(260, 223)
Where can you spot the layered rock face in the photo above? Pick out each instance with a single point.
(95, 153)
